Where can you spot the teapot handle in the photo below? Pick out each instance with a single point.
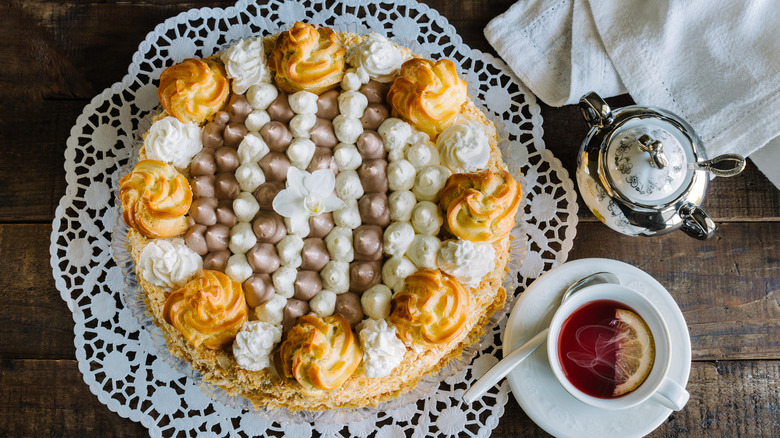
(696, 223)
(722, 165)
(595, 110)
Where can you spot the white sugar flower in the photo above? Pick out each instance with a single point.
(307, 194)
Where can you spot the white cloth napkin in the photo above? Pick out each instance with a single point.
(714, 63)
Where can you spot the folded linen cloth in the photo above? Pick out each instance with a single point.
(715, 64)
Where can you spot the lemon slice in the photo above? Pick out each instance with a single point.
(635, 352)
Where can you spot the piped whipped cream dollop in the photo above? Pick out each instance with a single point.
(324, 303)
(289, 250)
(382, 350)
(303, 102)
(261, 95)
(252, 148)
(352, 104)
(397, 238)
(272, 311)
(467, 261)
(379, 57)
(254, 345)
(242, 238)
(169, 263)
(394, 133)
(347, 129)
(347, 157)
(429, 182)
(256, 120)
(464, 147)
(427, 218)
(339, 244)
(245, 207)
(348, 185)
(249, 176)
(173, 142)
(424, 251)
(401, 204)
(246, 64)
(400, 175)
(284, 282)
(376, 301)
(238, 268)
(348, 216)
(422, 154)
(395, 270)
(301, 125)
(300, 152)
(354, 78)
(335, 276)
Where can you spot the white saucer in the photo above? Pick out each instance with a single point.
(536, 388)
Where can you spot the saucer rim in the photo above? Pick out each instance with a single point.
(518, 322)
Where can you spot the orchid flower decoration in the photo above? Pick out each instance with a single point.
(307, 194)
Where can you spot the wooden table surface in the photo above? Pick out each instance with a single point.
(57, 55)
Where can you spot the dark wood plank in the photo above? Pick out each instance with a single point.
(78, 48)
(49, 398)
(470, 17)
(32, 176)
(728, 399)
(36, 321)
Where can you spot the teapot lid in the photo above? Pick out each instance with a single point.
(646, 160)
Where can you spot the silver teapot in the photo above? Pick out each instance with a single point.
(642, 170)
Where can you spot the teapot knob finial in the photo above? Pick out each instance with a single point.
(656, 150)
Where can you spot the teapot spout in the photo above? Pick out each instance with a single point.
(595, 110)
(696, 223)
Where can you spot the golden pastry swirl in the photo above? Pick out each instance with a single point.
(155, 197)
(431, 309)
(427, 94)
(209, 310)
(194, 90)
(480, 206)
(320, 353)
(308, 58)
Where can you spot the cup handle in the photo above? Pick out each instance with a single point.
(671, 395)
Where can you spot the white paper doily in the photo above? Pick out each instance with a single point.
(116, 354)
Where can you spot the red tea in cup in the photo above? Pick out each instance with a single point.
(605, 349)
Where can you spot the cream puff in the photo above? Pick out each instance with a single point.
(427, 94)
(155, 197)
(480, 206)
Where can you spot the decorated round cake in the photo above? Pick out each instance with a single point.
(319, 219)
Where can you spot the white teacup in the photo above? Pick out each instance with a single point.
(657, 385)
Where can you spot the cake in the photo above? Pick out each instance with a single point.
(318, 219)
